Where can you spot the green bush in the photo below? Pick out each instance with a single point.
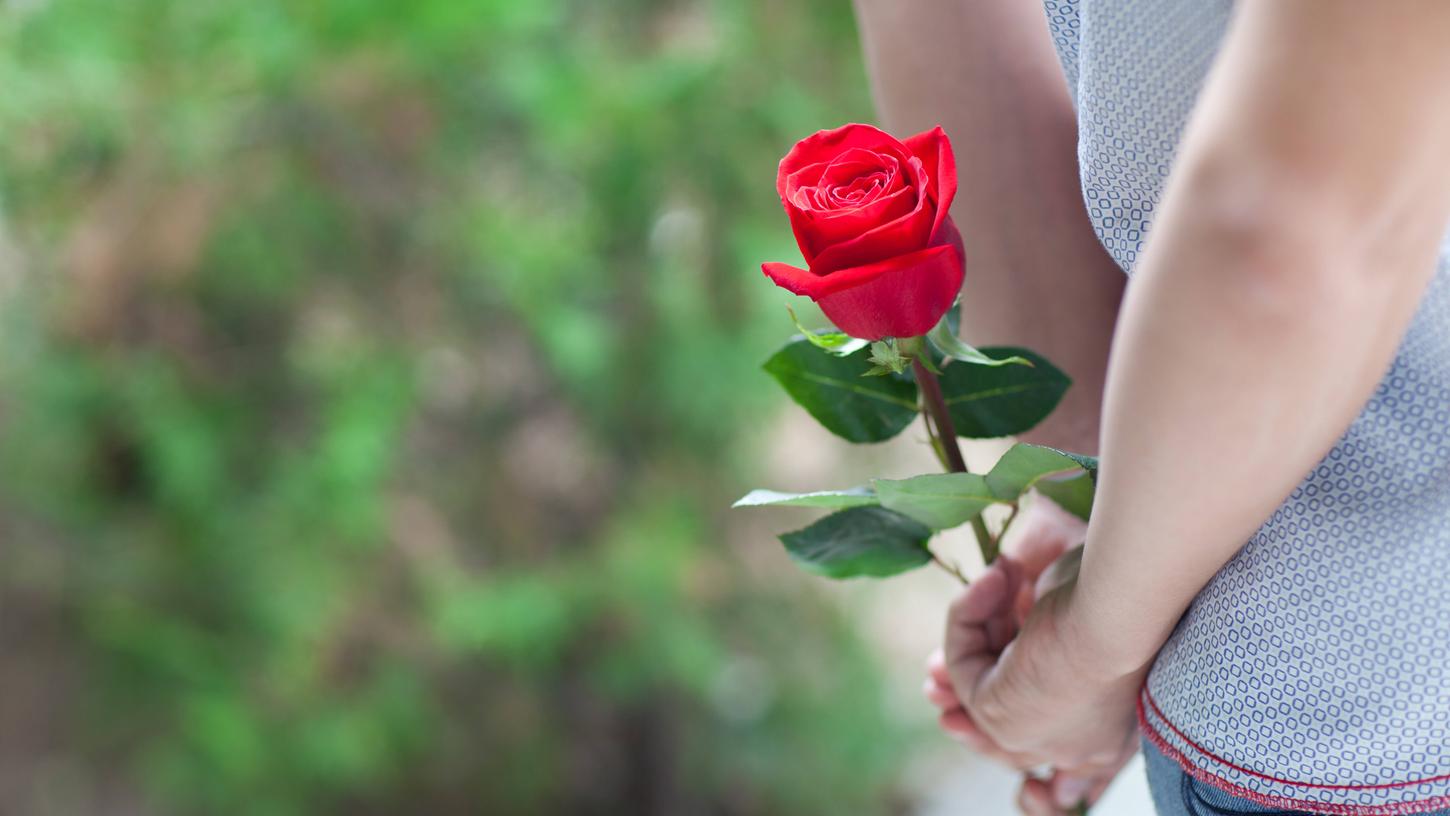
(374, 377)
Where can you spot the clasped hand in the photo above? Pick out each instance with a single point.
(1017, 679)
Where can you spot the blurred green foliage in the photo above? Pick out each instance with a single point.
(374, 378)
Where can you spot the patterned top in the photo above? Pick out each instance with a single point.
(1313, 671)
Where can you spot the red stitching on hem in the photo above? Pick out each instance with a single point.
(1431, 804)
(1148, 695)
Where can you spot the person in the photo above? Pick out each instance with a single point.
(1262, 598)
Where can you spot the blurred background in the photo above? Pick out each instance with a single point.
(375, 378)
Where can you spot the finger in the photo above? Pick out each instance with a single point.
(1035, 799)
(1002, 628)
(1000, 632)
(937, 675)
(968, 645)
(1087, 784)
(984, 598)
(1035, 544)
(1070, 790)
(1023, 603)
(958, 724)
(940, 694)
(1042, 532)
(936, 667)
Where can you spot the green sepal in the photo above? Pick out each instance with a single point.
(886, 358)
(954, 348)
(831, 340)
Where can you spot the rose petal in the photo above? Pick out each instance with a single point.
(857, 162)
(906, 233)
(935, 151)
(837, 187)
(825, 145)
(799, 186)
(814, 229)
(814, 235)
(899, 297)
(793, 279)
(902, 297)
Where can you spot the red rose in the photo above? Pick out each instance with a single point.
(870, 215)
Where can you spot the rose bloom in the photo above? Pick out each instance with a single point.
(870, 215)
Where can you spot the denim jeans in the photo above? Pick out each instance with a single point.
(1175, 793)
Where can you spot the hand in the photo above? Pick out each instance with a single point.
(1039, 536)
(1042, 698)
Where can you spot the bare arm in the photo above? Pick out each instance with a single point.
(1297, 234)
(1036, 274)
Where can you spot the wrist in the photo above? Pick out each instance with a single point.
(1105, 648)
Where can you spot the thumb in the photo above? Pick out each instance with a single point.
(1063, 571)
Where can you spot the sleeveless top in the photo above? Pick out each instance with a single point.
(1313, 671)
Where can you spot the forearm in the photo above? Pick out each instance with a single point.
(1294, 241)
(1036, 274)
(1228, 383)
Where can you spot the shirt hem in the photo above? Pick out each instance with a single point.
(1155, 736)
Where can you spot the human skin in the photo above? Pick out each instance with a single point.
(1037, 276)
(1297, 231)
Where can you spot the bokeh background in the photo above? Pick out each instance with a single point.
(375, 378)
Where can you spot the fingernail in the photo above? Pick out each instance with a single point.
(1070, 791)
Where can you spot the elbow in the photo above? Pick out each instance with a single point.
(1275, 232)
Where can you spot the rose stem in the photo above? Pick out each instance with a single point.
(935, 406)
(949, 567)
(936, 446)
(1002, 533)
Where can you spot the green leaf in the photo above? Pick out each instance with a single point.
(1074, 495)
(948, 343)
(1023, 465)
(938, 500)
(992, 402)
(1088, 463)
(836, 342)
(860, 541)
(850, 497)
(831, 389)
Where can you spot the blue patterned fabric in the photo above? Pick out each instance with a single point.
(1313, 672)
(1176, 793)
